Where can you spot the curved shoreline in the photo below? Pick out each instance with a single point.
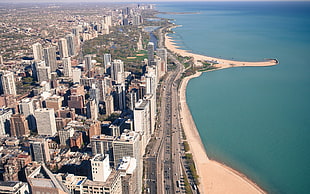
(218, 62)
(214, 177)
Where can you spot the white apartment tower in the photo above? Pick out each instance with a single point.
(45, 119)
(117, 71)
(63, 48)
(142, 120)
(100, 167)
(129, 144)
(7, 83)
(76, 75)
(37, 52)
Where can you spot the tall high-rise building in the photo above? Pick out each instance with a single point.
(45, 119)
(65, 135)
(1, 60)
(139, 43)
(88, 64)
(71, 44)
(67, 69)
(50, 58)
(7, 83)
(109, 105)
(63, 48)
(128, 173)
(120, 97)
(26, 107)
(128, 144)
(162, 64)
(19, 126)
(102, 144)
(37, 52)
(150, 52)
(108, 20)
(39, 150)
(76, 75)
(101, 169)
(92, 109)
(54, 102)
(137, 20)
(107, 62)
(117, 71)
(5, 115)
(142, 120)
(43, 72)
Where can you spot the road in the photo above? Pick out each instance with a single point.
(163, 161)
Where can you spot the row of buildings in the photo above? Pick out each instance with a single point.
(55, 140)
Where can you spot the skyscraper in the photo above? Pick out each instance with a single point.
(67, 69)
(7, 83)
(107, 62)
(120, 96)
(76, 75)
(63, 48)
(19, 125)
(117, 71)
(88, 65)
(1, 60)
(142, 120)
(5, 115)
(26, 107)
(71, 44)
(37, 52)
(43, 72)
(45, 119)
(162, 64)
(92, 109)
(128, 144)
(150, 52)
(50, 57)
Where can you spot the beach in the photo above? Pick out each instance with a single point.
(214, 177)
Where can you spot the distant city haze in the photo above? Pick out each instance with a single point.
(112, 1)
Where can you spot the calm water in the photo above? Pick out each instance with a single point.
(256, 119)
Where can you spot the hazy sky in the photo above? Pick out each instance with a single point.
(39, 1)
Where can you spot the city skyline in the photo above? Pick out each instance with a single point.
(127, 1)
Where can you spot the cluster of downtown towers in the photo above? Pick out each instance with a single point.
(63, 114)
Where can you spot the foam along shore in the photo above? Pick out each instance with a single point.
(218, 63)
(214, 177)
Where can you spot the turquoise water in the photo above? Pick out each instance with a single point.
(255, 119)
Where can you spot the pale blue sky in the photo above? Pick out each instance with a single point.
(135, 1)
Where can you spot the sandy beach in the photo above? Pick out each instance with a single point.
(215, 178)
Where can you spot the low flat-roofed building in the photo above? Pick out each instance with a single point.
(112, 185)
(41, 180)
(15, 187)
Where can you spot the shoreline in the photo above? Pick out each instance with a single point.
(219, 63)
(214, 177)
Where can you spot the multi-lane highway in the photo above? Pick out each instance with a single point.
(163, 161)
